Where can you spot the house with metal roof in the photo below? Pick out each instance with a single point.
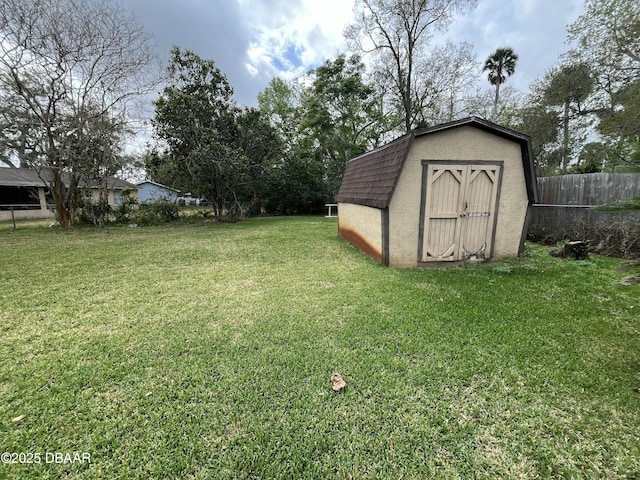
(24, 193)
(449, 193)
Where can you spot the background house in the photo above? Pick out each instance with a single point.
(24, 192)
(452, 192)
(149, 192)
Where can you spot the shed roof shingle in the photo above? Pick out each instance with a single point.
(370, 178)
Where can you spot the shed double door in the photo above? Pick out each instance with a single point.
(458, 210)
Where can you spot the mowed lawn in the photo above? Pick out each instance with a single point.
(206, 352)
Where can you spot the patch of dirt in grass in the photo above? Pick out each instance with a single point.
(630, 280)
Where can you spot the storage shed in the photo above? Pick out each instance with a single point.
(453, 192)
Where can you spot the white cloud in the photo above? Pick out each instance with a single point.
(289, 42)
(252, 41)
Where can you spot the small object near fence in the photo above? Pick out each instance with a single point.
(577, 250)
(330, 207)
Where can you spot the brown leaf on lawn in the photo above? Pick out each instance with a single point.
(19, 418)
(337, 382)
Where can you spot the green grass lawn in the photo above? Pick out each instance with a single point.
(207, 351)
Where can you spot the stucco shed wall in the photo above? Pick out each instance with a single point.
(466, 143)
(361, 226)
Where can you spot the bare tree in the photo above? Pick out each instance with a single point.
(398, 32)
(448, 78)
(70, 63)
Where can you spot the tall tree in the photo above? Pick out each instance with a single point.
(294, 183)
(342, 115)
(196, 118)
(64, 62)
(398, 32)
(568, 88)
(541, 125)
(95, 143)
(500, 65)
(259, 142)
(607, 38)
(621, 124)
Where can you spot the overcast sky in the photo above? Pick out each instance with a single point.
(252, 41)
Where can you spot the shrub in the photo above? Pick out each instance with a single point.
(615, 239)
(157, 212)
(94, 212)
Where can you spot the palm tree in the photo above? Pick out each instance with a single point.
(500, 64)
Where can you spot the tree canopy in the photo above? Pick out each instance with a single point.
(68, 69)
(398, 33)
(500, 65)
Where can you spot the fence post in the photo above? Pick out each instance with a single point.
(13, 218)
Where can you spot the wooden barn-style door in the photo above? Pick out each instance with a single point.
(458, 210)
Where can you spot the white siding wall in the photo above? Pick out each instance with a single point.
(362, 226)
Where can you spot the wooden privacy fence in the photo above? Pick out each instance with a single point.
(565, 203)
(555, 222)
(588, 189)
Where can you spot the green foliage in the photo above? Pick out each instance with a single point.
(623, 121)
(94, 212)
(633, 204)
(195, 116)
(571, 84)
(593, 157)
(295, 187)
(606, 37)
(500, 65)
(593, 93)
(555, 119)
(541, 125)
(342, 116)
(127, 206)
(262, 147)
(338, 118)
(279, 103)
(75, 68)
(156, 212)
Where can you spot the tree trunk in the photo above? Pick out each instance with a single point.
(495, 102)
(58, 193)
(256, 199)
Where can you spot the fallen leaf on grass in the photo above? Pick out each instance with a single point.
(337, 382)
(19, 418)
